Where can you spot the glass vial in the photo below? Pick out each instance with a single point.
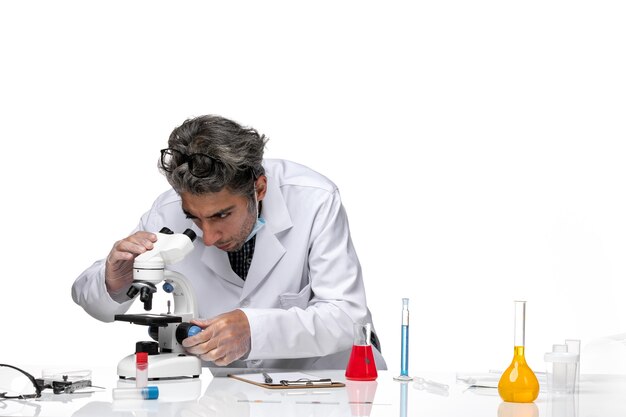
(141, 371)
(145, 393)
(518, 384)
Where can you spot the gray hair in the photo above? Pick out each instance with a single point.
(237, 153)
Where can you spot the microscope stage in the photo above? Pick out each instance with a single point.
(149, 319)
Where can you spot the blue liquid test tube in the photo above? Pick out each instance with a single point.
(404, 352)
(143, 393)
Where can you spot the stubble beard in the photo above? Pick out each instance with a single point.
(245, 231)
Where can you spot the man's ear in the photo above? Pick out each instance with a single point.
(261, 187)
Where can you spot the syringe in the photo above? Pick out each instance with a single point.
(404, 348)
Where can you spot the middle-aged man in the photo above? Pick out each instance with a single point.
(274, 270)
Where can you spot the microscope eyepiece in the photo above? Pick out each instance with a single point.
(190, 234)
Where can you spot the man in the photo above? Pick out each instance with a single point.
(274, 270)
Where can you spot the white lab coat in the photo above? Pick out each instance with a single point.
(304, 289)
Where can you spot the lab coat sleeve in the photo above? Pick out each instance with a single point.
(325, 325)
(89, 291)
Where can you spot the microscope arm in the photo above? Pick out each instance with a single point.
(184, 297)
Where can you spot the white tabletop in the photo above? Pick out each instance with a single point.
(226, 397)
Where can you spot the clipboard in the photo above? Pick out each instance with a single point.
(287, 380)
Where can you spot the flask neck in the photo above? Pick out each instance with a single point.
(518, 354)
(520, 323)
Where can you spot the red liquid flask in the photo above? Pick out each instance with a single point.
(361, 366)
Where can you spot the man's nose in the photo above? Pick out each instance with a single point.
(209, 235)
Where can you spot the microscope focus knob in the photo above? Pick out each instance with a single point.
(168, 287)
(185, 330)
(166, 231)
(193, 330)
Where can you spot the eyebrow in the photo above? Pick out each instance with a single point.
(216, 214)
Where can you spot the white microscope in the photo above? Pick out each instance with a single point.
(168, 359)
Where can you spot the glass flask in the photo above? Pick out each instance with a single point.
(361, 366)
(518, 384)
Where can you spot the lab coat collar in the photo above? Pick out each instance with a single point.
(268, 249)
(267, 252)
(275, 210)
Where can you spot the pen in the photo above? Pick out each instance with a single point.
(268, 378)
(304, 382)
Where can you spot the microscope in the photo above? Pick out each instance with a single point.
(166, 359)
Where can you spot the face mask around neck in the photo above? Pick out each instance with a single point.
(260, 221)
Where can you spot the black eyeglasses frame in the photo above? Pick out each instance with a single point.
(189, 160)
(37, 393)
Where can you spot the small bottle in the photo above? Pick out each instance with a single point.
(145, 393)
(141, 373)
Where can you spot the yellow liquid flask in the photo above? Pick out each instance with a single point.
(518, 384)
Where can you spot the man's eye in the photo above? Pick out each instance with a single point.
(223, 215)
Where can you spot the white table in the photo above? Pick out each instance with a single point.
(225, 397)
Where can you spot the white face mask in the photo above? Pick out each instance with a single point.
(260, 221)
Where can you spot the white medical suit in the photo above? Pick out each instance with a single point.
(304, 289)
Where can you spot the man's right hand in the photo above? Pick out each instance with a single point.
(118, 273)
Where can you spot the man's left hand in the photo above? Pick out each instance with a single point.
(224, 338)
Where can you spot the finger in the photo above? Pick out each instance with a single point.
(202, 323)
(202, 348)
(146, 235)
(142, 236)
(116, 257)
(135, 246)
(207, 332)
(213, 355)
(125, 251)
(224, 348)
(143, 239)
(222, 355)
(221, 360)
(204, 336)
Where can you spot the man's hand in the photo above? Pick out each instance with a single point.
(224, 338)
(118, 273)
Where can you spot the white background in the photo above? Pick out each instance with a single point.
(478, 146)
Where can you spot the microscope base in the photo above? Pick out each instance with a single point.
(163, 365)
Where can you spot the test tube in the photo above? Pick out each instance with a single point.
(404, 344)
(145, 393)
(141, 372)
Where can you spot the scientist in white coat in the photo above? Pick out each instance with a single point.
(274, 271)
